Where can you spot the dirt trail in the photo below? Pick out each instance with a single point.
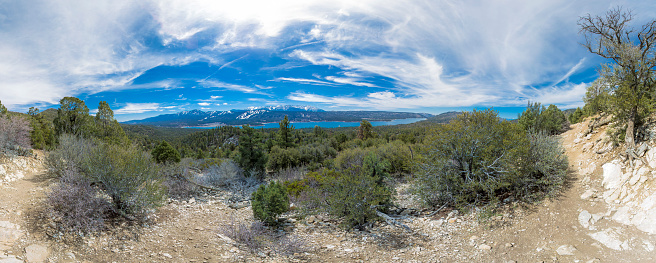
(16, 198)
(563, 222)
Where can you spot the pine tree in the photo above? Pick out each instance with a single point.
(285, 136)
(365, 131)
(251, 158)
(164, 153)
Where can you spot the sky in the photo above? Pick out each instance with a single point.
(147, 58)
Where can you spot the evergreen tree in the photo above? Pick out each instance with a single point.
(285, 136)
(72, 117)
(3, 109)
(108, 128)
(164, 153)
(576, 116)
(631, 77)
(200, 154)
(365, 131)
(251, 158)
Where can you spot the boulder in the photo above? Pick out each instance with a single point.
(612, 175)
(651, 157)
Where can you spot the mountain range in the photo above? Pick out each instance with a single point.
(269, 114)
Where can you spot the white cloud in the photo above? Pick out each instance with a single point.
(306, 81)
(131, 108)
(204, 103)
(350, 81)
(215, 97)
(438, 53)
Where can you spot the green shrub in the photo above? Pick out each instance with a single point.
(129, 177)
(269, 202)
(355, 197)
(69, 155)
(468, 160)
(349, 158)
(544, 168)
(398, 155)
(164, 153)
(537, 118)
(353, 194)
(280, 158)
(477, 158)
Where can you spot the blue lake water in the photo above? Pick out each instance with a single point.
(331, 124)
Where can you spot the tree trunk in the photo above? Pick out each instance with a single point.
(629, 138)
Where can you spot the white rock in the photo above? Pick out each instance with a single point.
(612, 175)
(36, 253)
(637, 174)
(588, 193)
(648, 246)
(10, 259)
(608, 238)
(484, 247)
(623, 215)
(584, 218)
(651, 157)
(648, 223)
(167, 255)
(566, 250)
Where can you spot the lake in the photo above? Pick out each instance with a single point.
(330, 124)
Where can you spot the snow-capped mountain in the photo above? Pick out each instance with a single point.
(268, 114)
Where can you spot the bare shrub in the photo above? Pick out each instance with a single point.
(74, 208)
(255, 237)
(221, 175)
(290, 174)
(15, 135)
(252, 236)
(288, 245)
(175, 181)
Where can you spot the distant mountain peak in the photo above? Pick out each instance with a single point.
(286, 108)
(268, 114)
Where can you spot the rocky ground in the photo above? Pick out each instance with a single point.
(579, 226)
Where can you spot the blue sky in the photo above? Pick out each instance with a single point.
(147, 58)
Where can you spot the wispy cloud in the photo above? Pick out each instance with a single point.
(306, 81)
(132, 108)
(435, 53)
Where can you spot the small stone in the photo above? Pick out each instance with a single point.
(484, 247)
(452, 220)
(584, 218)
(588, 194)
(473, 237)
(566, 250)
(311, 219)
(508, 245)
(69, 256)
(167, 255)
(192, 200)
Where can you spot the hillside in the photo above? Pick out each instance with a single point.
(604, 215)
(260, 115)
